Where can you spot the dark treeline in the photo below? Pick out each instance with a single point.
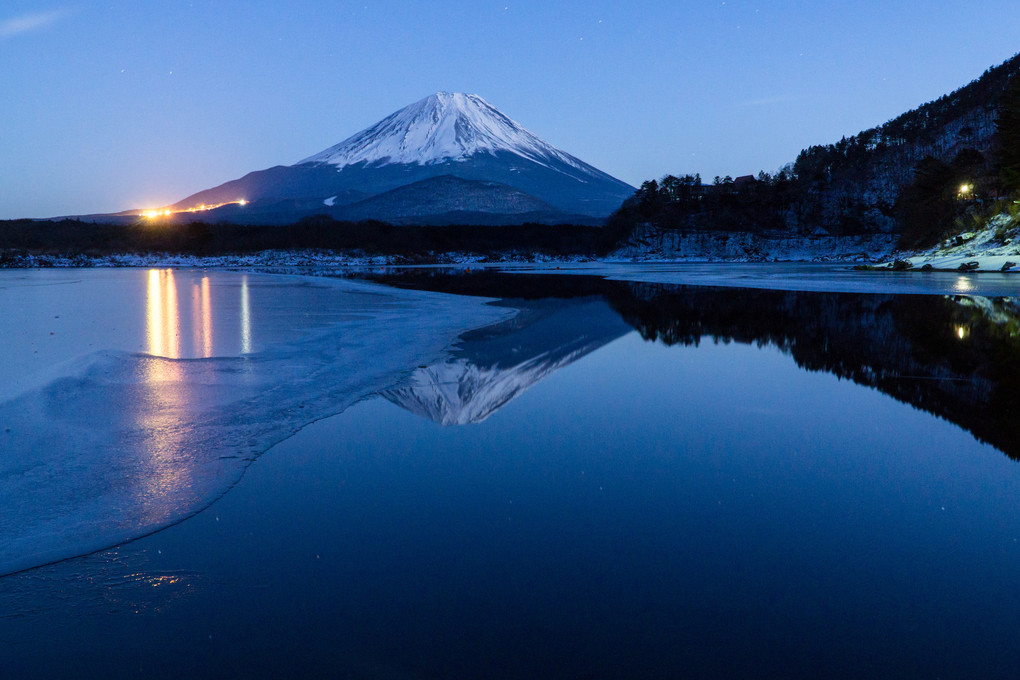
(687, 204)
(906, 176)
(940, 354)
(70, 237)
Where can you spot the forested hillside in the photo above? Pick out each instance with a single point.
(916, 175)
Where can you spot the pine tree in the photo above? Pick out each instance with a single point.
(1008, 126)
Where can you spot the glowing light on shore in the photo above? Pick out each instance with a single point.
(167, 212)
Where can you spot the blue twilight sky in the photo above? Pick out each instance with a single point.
(120, 104)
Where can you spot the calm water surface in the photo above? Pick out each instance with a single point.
(609, 479)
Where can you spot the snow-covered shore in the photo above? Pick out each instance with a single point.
(990, 249)
(995, 248)
(668, 248)
(264, 259)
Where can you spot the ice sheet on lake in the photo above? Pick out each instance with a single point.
(830, 278)
(122, 443)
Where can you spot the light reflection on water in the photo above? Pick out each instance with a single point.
(166, 404)
(246, 343)
(163, 318)
(164, 397)
(115, 580)
(201, 306)
(964, 284)
(166, 325)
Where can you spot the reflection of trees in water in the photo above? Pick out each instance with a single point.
(957, 358)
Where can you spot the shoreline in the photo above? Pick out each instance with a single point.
(277, 258)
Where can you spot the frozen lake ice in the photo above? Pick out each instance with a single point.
(477, 474)
(131, 399)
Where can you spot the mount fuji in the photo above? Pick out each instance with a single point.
(446, 158)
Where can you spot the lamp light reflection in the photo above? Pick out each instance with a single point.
(964, 284)
(154, 317)
(201, 318)
(163, 320)
(245, 317)
(207, 338)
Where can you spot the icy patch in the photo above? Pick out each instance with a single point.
(125, 443)
(813, 277)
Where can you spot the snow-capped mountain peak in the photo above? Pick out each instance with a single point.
(498, 163)
(441, 127)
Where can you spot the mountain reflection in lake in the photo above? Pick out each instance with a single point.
(957, 357)
(613, 479)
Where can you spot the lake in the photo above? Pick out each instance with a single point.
(602, 472)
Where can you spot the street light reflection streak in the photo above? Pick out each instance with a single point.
(164, 404)
(245, 317)
(196, 314)
(201, 318)
(207, 332)
(154, 318)
(172, 329)
(163, 318)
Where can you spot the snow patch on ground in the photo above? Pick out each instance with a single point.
(267, 259)
(988, 249)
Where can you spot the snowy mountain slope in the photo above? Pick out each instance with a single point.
(444, 134)
(274, 184)
(443, 127)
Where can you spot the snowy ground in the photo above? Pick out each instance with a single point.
(987, 250)
(991, 249)
(260, 260)
(267, 258)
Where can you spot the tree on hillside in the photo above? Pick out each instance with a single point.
(926, 207)
(1008, 127)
